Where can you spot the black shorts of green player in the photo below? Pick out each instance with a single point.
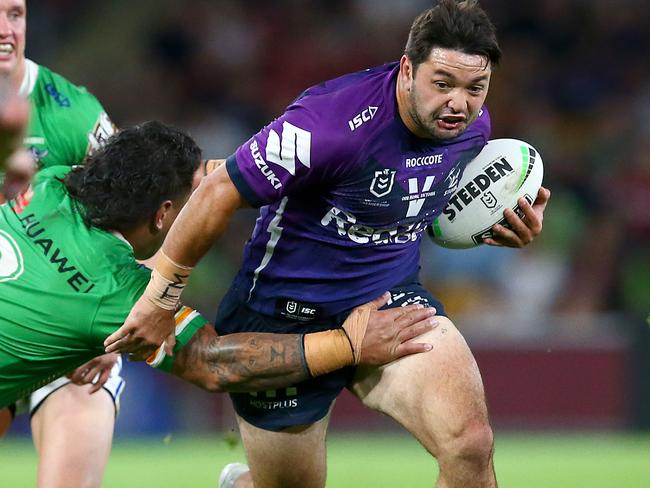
(311, 400)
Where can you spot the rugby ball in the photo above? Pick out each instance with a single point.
(504, 171)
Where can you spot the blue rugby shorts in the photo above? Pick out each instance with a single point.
(309, 401)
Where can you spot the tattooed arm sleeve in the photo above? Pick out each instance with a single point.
(241, 362)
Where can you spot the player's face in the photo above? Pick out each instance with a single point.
(13, 25)
(165, 219)
(446, 92)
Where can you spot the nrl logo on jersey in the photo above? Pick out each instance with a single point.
(382, 183)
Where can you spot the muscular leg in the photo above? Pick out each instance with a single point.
(73, 432)
(438, 396)
(294, 458)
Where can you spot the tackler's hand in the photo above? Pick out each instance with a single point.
(95, 372)
(388, 334)
(144, 330)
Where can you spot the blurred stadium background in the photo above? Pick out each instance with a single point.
(560, 330)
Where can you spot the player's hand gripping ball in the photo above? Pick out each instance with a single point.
(502, 173)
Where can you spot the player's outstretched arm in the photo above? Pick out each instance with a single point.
(202, 220)
(241, 362)
(521, 232)
(258, 361)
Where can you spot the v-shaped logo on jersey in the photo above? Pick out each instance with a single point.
(382, 183)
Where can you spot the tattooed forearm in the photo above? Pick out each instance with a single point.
(241, 362)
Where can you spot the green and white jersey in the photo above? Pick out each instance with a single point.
(64, 287)
(67, 122)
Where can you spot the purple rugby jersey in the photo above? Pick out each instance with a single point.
(345, 191)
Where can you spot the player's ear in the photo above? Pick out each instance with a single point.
(162, 215)
(405, 69)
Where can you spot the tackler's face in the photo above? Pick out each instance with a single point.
(13, 27)
(165, 217)
(445, 93)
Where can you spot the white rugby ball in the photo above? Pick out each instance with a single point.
(504, 171)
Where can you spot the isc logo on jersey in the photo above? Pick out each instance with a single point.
(361, 118)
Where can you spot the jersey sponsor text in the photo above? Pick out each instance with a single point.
(75, 279)
(263, 167)
(362, 234)
(491, 174)
(424, 161)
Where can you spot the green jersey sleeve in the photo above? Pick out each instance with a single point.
(67, 122)
(188, 322)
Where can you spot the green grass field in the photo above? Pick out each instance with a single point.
(526, 461)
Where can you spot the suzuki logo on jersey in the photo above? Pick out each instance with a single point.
(361, 118)
(263, 167)
(363, 234)
(424, 161)
(382, 183)
(416, 197)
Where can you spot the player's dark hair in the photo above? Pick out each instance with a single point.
(463, 26)
(123, 184)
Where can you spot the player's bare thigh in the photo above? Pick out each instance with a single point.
(73, 431)
(436, 395)
(294, 458)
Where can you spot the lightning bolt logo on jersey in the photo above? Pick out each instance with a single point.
(342, 211)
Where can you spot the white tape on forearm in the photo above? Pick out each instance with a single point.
(327, 351)
(355, 327)
(168, 279)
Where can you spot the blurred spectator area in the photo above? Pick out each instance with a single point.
(574, 82)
